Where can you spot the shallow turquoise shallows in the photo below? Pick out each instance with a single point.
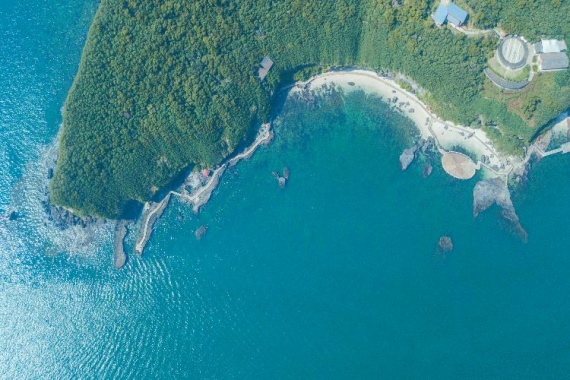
(336, 276)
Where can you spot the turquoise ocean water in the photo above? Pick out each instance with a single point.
(337, 276)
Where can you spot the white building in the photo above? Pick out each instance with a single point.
(550, 46)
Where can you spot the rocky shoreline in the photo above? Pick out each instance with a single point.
(488, 191)
(196, 190)
(423, 149)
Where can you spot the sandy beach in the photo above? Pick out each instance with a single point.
(446, 133)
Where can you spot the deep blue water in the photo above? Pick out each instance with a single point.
(337, 276)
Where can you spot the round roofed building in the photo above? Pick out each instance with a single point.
(513, 53)
(458, 165)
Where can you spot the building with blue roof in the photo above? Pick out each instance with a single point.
(451, 13)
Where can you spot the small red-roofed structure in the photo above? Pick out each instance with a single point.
(206, 173)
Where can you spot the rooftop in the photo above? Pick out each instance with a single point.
(266, 64)
(440, 15)
(554, 61)
(456, 15)
(550, 46)
(458, 165)
(513, 53)
(452, 13)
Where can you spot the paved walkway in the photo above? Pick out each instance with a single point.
(202, 194)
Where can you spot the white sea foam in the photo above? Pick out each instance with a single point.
(33, 230)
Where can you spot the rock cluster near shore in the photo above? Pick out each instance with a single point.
(60, 217)
(407, 157)
(423, 148)
(63, 219)
(311, 96)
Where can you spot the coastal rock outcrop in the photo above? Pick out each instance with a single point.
(519, 174)
(120, 257)
(422, 149)
(491, 191)
(407, 157)
(64, 219)
(428, 145)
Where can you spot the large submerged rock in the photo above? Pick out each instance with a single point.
(407, 157)
(200, 232)
(491, 191)
(286, 173)
(422, 149)
(282, 180)
(445, 244)
(427, 169)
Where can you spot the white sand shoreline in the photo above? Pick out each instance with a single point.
(446, 134)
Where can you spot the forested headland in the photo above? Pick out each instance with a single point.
(167, 84)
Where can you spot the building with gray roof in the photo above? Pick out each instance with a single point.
(266, 65)
(553, 61)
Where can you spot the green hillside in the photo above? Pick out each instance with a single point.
(164, 85)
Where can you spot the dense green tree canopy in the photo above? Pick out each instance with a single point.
(166, 84)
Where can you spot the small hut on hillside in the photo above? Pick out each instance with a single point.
(266, 65)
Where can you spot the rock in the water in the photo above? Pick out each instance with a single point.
(50, 173)
(445, 244)
(427, 145)
(120, 257)
(281, 180)
(63, 219)
(13, 216)
(407, 157)
(286, 172)
(427, 169)
(491, 191)
(200, 232)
